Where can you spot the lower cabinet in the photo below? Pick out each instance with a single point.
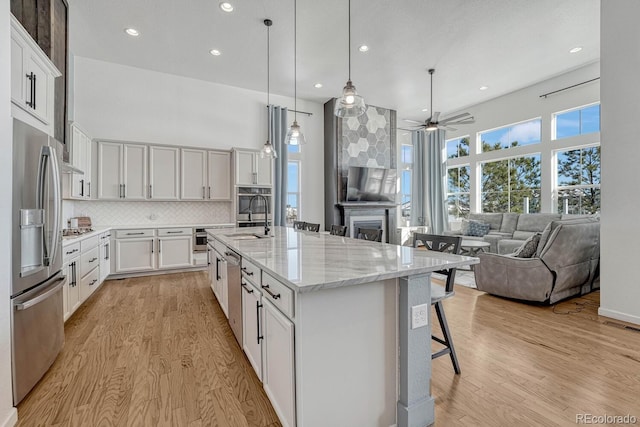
(105, 255)
(71, 290)
(278, 376)
(135, 254)
(251, 319)
(149, 249)
(89, 283)
(175, 252)
(222, 286)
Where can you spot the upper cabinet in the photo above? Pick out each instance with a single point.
(251, 169)
(164, 173)
(32, 81)
(78, 186)
(206, 175)
(122, 171)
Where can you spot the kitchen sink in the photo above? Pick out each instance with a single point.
(246, 236)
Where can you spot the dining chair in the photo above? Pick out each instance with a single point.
(338, 230)
(309, 226)
(298, 225)
(372, 234)
(448, 244)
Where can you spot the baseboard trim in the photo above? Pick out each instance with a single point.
(613, 314)
(11, 419)
(116, 276)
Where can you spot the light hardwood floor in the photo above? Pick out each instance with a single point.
(158, 351)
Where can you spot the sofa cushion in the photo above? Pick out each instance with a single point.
(477, 228)
(509, 222)
(535, 222)
(494, 219)
(522, 235)
(508, 246)
(529, 247)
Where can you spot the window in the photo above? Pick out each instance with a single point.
(293, 148)
(458, 192)
(406, 165)
(293, 190)
(458, 147)
(511, 185)
(577, 122)
(515, 135)
(578, 181)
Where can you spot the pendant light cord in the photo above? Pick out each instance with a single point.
(268, 24)
(349, 45)
(431, 93)
(295, 61)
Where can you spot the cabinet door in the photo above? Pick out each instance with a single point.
(86, 141)
(109, 170)
(134, 172)
(223, 294)
(251, 317)
(40, 95)
(135, 254)
(194, 174)
(74, 286)
(89, 284)
(78, 158)
(174, 252)
(264, 170)
(66, 270)
(19, 82)
(219, 175)
(245, 168)
(164, 172)
(105, 260)
(278, 363)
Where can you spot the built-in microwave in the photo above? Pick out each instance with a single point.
(253, 211)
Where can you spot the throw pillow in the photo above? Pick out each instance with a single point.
(543, 239)
(529, 247)
(478, 228)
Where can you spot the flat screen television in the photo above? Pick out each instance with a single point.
(372, 185)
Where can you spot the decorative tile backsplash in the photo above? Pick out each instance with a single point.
(149, 213)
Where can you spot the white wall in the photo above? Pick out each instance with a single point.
(113, 101)
(523, 105)
(8, 414)
(620, 59)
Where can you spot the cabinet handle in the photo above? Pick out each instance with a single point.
(73, 274)
(204, 194)
(88, 189)
(150, 192)
(246, 288)
(35, 87)
(258, 307)
(152, 244)
(93, 282)
(93, 260)
(121, 196)
(274, 296)
(209, 192)
(159, 245)
(247, 272)
(82, 188)
(135, 234)
(218, 269)
(71, 252)
(174, 232)
(106, 251)
(255, 177)
(30, 101)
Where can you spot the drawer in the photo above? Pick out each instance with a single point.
(89, 260)
(71, 251)
(278, 294)
(89, 283)
(128, 234)
(104, 237)
(220, 247)
(89, 243)
(251, 272)
(175, 231)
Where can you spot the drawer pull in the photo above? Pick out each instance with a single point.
(246, 271)
(93, 260)
(71, 252)
(93, 282)
(274, 296)
(246, 288)
(175, 232)
(135, 234)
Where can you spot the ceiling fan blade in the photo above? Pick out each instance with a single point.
(459, 116)
(434, 117)
(467, 121)
(447, 128)
(413, 121)
(407, 130)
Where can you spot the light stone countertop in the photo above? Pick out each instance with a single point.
(306, 261)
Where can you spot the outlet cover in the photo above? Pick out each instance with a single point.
(419, 316)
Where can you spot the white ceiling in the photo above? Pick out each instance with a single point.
(503, 44)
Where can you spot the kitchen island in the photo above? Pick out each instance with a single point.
(328, 328)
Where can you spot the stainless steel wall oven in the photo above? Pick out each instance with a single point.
(252, 213)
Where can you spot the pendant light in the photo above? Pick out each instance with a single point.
(294, 134)
(350, 104)
(267, 149)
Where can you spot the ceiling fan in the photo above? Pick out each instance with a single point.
(432, 122)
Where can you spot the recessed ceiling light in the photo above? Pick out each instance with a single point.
(132, 32)
(363, 48)
(484, 87)
(226, 7)
(424, 110)
(215, 52)
(575, 49)
(317, 85)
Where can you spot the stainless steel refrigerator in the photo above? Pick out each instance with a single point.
(37, 323)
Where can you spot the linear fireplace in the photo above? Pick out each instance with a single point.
(377, 222)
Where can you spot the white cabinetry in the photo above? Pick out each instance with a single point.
(122, 171)
(71, 289)
(219, 175)
(32, 80)
(149, 249)
(251, 319)
(89, 267)
(251, 169)
(105, 255)
(194, 174)
(135, 254)
(175, 248)
(164, 173)
(79, 186)
(220, 280)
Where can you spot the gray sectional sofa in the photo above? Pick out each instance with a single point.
(509, 230)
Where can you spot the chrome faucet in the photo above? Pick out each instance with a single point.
(266, 212)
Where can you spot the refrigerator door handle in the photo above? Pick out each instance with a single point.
(57, 198)
(58, 281)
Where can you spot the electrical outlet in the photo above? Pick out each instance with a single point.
(419, 316)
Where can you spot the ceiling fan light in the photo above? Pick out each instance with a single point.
(295, 135)
(350, 103)
(268, 151)
(431, 127)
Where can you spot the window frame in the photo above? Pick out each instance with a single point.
(480, 133)
(554, 121)
(295, 158)
(458, 193)
(557, 188)
(404, 166)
